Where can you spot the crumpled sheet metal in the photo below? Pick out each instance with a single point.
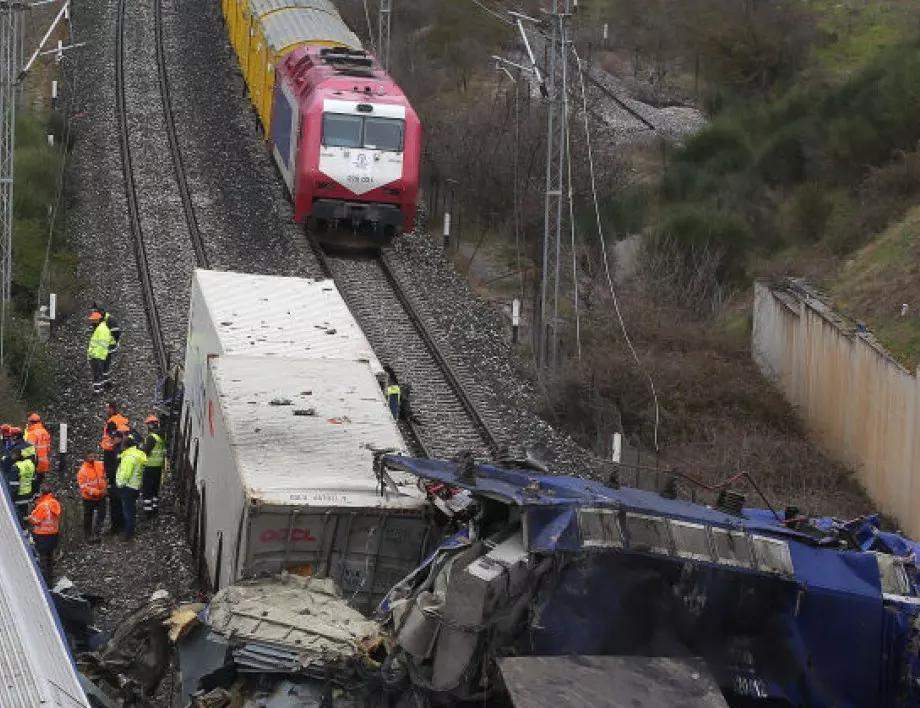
(288, 622)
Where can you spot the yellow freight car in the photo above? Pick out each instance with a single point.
(279, 32)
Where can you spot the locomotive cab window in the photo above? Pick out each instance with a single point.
(342, 130)
(383, 134)
(350, 131)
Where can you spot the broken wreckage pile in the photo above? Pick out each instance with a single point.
(553, 591)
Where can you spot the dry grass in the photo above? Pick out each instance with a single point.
(873, 285)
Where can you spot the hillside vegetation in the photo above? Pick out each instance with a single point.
(810, 152)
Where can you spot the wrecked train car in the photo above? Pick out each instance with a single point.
(282, 415)
(781, 613)
(265, 316)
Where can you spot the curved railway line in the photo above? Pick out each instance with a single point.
(157, 337)
(450, 420)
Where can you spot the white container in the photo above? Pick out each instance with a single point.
(264, 315)
(286, 479)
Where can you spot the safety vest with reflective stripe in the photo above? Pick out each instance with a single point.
(131, 469)
(393, 391)
(46, 516)
(40, 438)
(99, 342)
(26, 475)
(158, 453)
(121, 424)
(91, 479)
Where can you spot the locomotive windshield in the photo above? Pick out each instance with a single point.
(350, 131)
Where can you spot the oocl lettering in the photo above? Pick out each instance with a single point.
(297, 535)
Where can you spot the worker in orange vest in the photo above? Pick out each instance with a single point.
(93, 490)
(115, 423)
(40, 438)
(45, 521)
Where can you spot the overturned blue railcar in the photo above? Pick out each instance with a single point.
(784, 612)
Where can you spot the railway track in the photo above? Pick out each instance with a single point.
(449, 420)
(154, 322)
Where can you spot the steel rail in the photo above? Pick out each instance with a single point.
(137, 234)
(488, 435)
(191, 219)
(491, 440)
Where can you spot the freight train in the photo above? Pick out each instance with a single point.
(343, 135)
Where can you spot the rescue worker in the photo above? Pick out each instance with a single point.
(97, 352)
(128, 481)
(20, 443)
(393, 393)
(93, 490)
(21, 480)
(155, 450)
(38, 436)
(115, 423)
(115, 329)
(7, 438)
(45, 521)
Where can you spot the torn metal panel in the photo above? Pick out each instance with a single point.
(137, 656)
(609, 682)
(288, 624)
(203, 659)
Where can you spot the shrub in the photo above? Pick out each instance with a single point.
(27, 357)
(783, 160)
(703, 238)
(806, 213)
(721, 147)
(888, 192)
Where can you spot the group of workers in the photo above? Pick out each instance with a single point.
(132, 466)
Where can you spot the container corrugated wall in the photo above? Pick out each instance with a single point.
(858, 402)
(262, 31)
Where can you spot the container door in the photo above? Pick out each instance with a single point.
(284, 132)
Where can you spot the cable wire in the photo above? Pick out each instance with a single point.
(600, 235)
(493, 13)
(370, 30)
(568, 155)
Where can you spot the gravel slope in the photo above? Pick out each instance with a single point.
(97, 229)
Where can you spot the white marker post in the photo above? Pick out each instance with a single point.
(50, 140)
(62, 447)
(54, 92)
(616, 447)
(52, 311)
(515, 320)
(446, 229)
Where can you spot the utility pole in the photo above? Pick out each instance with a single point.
(383, 33)
(555, 90)
(10, 52)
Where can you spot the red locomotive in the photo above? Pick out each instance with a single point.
(346, 141)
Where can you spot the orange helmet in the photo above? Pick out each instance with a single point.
(151, 419)
(35, 418)
(5, 430)
(94, 317)
(15, 430)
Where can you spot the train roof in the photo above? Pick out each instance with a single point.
(309, 427)
(314, 72)
(271, 315)
(292, 26)
(36, 668)
(257, 8)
